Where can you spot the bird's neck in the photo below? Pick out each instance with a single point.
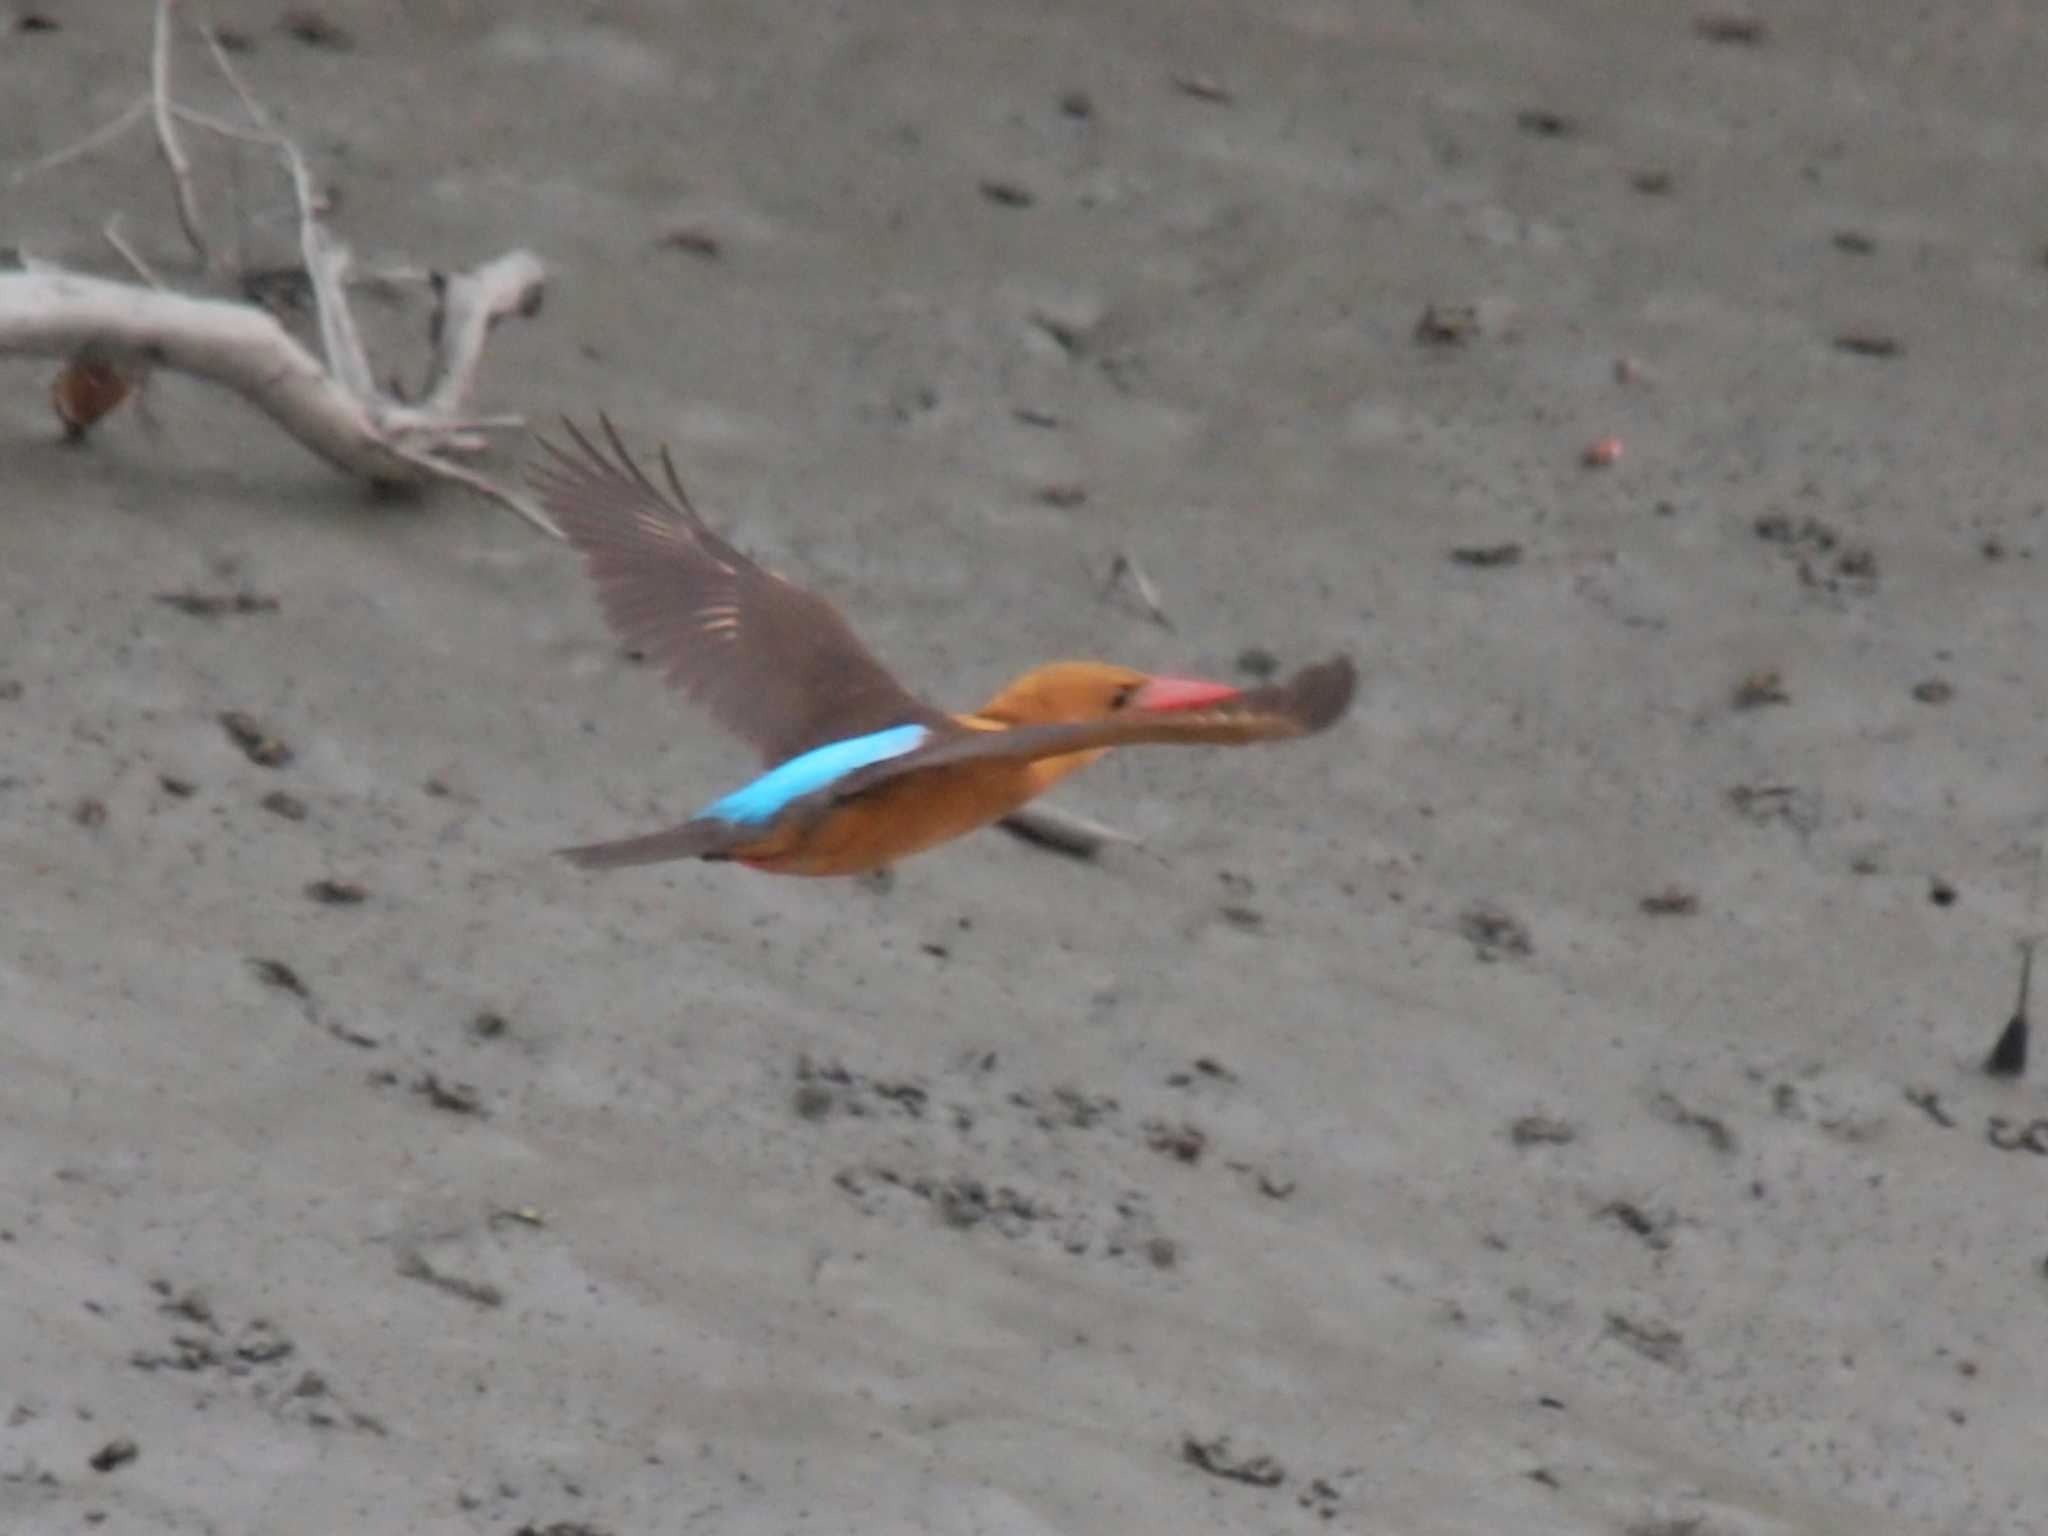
(1041, 773)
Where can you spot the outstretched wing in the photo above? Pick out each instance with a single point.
(1308, 702)
(774, 664)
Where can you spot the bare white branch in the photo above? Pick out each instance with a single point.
(167, 139)
(471, 303)
(111, 230)
(106, 133)
(58, 314)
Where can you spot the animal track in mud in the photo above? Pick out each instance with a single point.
(257, 1353)
(979, 1156)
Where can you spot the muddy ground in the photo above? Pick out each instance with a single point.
(1549, 1103)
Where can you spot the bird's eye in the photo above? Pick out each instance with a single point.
(1122, 696)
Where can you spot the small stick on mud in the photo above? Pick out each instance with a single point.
(1127, 576)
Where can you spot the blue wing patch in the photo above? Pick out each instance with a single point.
(768, 796)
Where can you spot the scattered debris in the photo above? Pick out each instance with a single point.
(1672, 901)
(1128, 577)
(1653, 183)
(1204, 88)
(1031, 416)
(175, 787)
(1488, 556)
(1214, 1457)
(1322, 1497)
(1928, 1102)
(280, 803)
(1203, 1067)
(1940, 892)
(1652, 1341)
(1764, 686)
(1183, 1142)
(1809, 535)
(337, 893)
(1069, 335)
(257, 744)
(812, 1101)
(456, 1098)
(1718, 1136)
(213, 605)
(413, 1265)
(1853, 242)
(1654, 1231)
(316, 29)
(1257, 661)
(1934, 690)
(489, 1024)
(2008, 1057)
(115, 1453)
(89, 811)
(1546, 124)
(1238, 915)
(1763, 804)
(1493, 932)
(1602, 453)
(1008, 194)
(1868, 344)
(1065, 497)
(1542, 1130)
(692, 240)
(2032, 1137)
(1067, 832)
(275, 973)
(966, 1202)
(91, 387)
(1730, 28)
(1077, 105)
(1447, 325)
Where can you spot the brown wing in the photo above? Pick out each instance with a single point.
(775, 665)
(1308, 702)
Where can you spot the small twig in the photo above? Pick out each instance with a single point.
(106, 133)
(1065, 832)
(1125, 574)
(220, 126)
(458, 474)
(326, 258)
(111, 231)
(167, 134)
(470, 304)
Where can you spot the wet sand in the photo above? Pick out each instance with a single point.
(1364, 1154)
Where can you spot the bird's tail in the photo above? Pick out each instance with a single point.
(707, 837)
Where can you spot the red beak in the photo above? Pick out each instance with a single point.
(1162, 693)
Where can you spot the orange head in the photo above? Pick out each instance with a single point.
(1065, 691)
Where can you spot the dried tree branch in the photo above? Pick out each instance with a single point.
(106, 133)
(333, 406)
(168, 142)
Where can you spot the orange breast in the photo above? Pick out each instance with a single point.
(906, 816)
